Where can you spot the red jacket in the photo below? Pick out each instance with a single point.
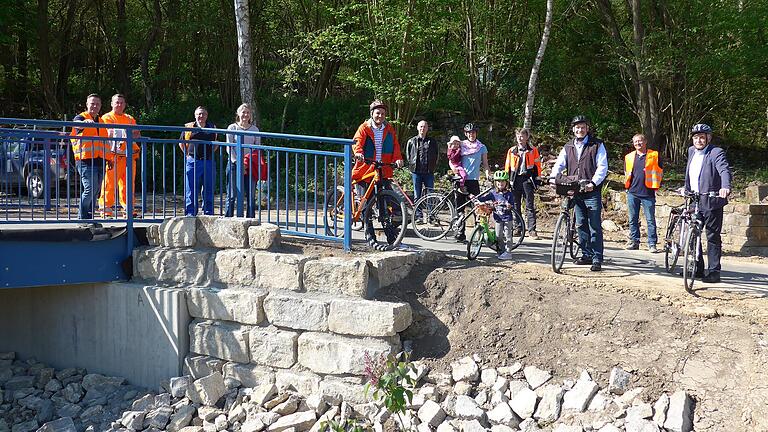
(364, 143)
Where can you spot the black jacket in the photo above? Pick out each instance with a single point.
(715, 174)
(412, 149)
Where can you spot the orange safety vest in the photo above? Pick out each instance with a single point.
(88, 149)
(532, 159)
(118, 147)
(653, 171)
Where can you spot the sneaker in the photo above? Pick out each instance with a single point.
(652, 249)
(712, 277)
(533, 235)
(517, 232)
(506, 256)
(596, 267)
(461, 238)
(632, 245)
(583, 261)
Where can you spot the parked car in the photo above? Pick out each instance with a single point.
(26, 157)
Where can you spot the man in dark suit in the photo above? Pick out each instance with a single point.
(708, 171)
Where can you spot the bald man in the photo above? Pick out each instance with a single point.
(421, 153)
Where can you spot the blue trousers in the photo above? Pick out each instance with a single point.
(249, 185)
(634, 203)
(421, 181)
(199, 175)
(588, 209)
(91, 175)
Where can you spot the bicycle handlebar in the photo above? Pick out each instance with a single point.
(381, 164)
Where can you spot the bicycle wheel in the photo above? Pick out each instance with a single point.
(334, 212)
(518, 223)
(475, 243)
(574, 248)
(432, 216)
(672, 242)
(385, 215)
(559, 242)
(692, 243)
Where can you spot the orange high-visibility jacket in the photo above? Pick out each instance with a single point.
(88, 149)
(118, 147)
(532, 159)
(653, 171)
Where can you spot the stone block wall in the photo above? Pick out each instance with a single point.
(264, 316)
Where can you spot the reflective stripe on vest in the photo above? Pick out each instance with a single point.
(88, 149)
(653, 171)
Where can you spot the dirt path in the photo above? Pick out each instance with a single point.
(715, 347)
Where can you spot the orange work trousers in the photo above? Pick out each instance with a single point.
(112, 175)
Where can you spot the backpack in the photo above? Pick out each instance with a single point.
(261, 168)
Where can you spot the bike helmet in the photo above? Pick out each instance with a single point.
(377, 103)
(501, 176)
(580, 119)
(701, 128)
(470, 127)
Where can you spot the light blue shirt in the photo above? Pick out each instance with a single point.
(602, 161)
(473, 162)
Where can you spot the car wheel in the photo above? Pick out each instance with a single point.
(35, 186)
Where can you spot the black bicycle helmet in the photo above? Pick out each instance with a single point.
(378, 104)
(580, 119)
(701, 128)
(470, 127)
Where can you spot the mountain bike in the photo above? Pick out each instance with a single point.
(379, 211)
(692, 244)
(565, 238)
(437, 215)
(483, 234)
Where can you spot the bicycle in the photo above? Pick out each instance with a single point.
(692, 242)
(438, 215)
(379, 211)
(565, 238)
(483, 234)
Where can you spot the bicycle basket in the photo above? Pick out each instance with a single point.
(563, 188)
(483, 209)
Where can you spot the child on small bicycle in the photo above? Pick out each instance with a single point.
(501, 197)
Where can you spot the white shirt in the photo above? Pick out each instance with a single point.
(694, 170)
(247, 140)
(602, 161)
(378, 139)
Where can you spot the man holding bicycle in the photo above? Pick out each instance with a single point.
(375, 140)
(708, 171)
(585, 158)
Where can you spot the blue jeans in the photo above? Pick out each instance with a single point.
(421, 181)
(199, 175)
(249, 203)
(588, 209)
(91, 175)
(649, 208)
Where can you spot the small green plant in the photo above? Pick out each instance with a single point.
(388, 376)
(343, 426)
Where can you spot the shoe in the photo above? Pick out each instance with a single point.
(506, 256)
(632, 245)
(596, 267)
(712, 277)
(463, 190)
(461, 238)
(698, 274)
(533, 235)
(652, 249)
(517, 232)
(583, 261)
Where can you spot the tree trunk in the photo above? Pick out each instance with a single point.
(44, 58)
(536, 65)
(65, 63)
(146, 80)
(244, 56)
(120, 40)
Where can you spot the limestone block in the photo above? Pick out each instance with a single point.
(660, 409)
(535, 376)
(466, 408)
(178, 385)
(301, 382)
(153, 235)
(275, 271)
(550, 403)
(200, 366)
(272, 347)
(331, 354)
(234, 266)
(388, 268)
(336, 275)
(502, 414)
(300, 421)
(178, 232)
(368, 318)
(640, 411)
(227, 341)
(465, 369)
(263, 393)
(207, 390)
(618, 383)
(636, 425)
(298, 311)
(222, 233)
(244, 306)
(172, 265)
(64, 424)
(349, 389)
(679, 413)
(431, 413)
(523, 403)
(577, 398)
(756, 193)
(250, 375)
(264, 236)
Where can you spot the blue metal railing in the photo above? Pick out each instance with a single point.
(39, 182)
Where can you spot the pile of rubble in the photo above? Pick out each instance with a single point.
(470, 398)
